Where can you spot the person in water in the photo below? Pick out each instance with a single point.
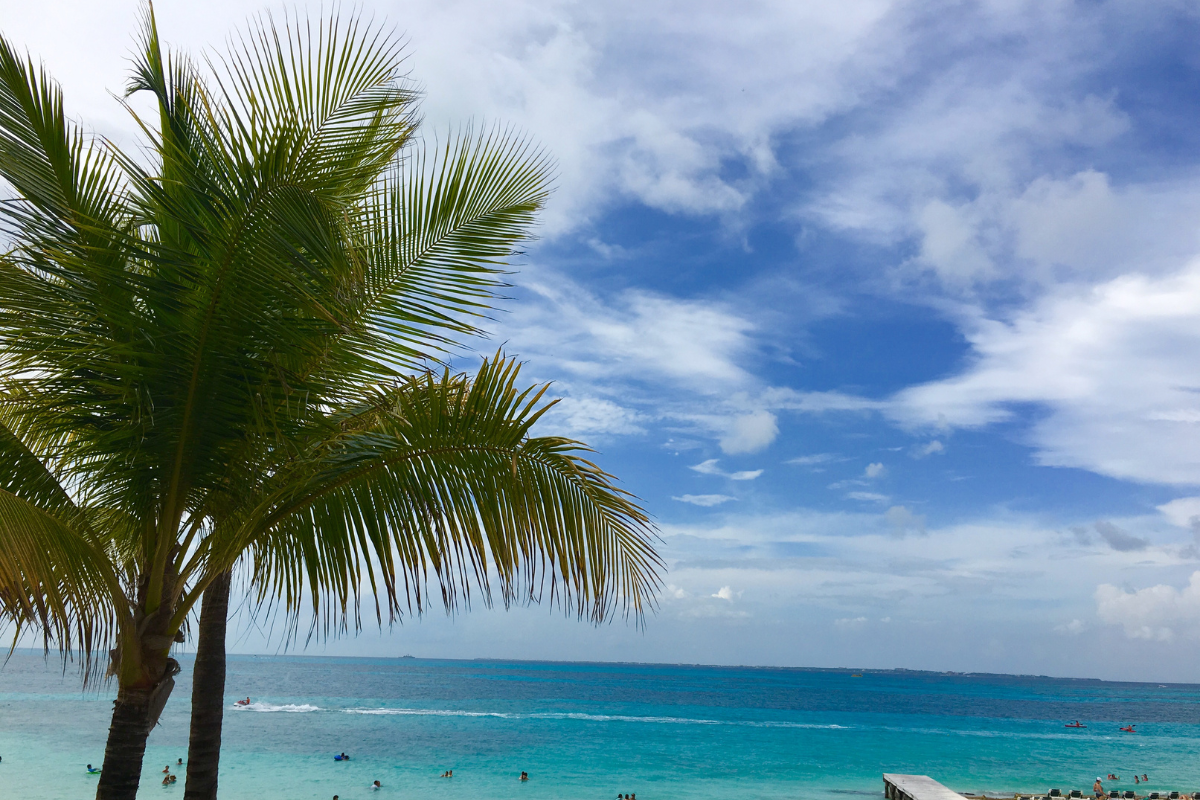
(166, 769)
(524, 776)
(375, 786)
(92, 769)
(166, 780)
(180, 762)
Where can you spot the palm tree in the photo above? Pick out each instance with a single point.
(226, 352)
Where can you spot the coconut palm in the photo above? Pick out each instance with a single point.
(224, 350)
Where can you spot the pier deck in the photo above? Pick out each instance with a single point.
(923, 787)
(916, 787)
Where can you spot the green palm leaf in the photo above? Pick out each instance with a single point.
(440, 482)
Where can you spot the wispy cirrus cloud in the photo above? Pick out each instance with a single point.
(710, 467)
(704, 500)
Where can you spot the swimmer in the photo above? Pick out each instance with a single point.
(173, 778)
(376, 786)
(166, 769)
(166, 780)
(92, 770)
(524, 776)
(179, 762)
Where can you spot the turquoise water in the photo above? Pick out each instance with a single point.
(593, 730)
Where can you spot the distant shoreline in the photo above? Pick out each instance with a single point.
(864, 671)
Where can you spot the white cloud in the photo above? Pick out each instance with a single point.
(785, 399)
(868, 497)
(749, 433)
(704, 500)
(1072, 628)
(649, 102)
(591, 416)
(850, 622)
(710, 467)
(727, 593)
(874, 470)
(636, 335)
(676, 592)
(1158, 612)
(1073, 353)
(932, 448)
(814, 460)
(1184, 512)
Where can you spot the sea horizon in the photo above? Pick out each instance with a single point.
(697, 664)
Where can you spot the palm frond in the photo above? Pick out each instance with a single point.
(438, 483)
(436, 237)
(56, 580)
(70, 182)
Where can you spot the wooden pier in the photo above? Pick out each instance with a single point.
(916, 787)
(923, 787)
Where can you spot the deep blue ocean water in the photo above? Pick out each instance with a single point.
(593, 730)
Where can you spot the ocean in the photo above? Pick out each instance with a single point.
(591, 731)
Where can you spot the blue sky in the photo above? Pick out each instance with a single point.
(888, 311)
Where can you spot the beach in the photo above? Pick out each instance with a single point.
(595, 730)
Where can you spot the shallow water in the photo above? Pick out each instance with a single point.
(592, 730)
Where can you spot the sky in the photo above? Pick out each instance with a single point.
(889, 312)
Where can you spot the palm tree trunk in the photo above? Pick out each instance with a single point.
(126, 745)
(208, 693)
(135, 712)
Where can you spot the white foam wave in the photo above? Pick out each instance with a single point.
(429, 712)
(290, 708)
(438, 712)
(683, 720)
